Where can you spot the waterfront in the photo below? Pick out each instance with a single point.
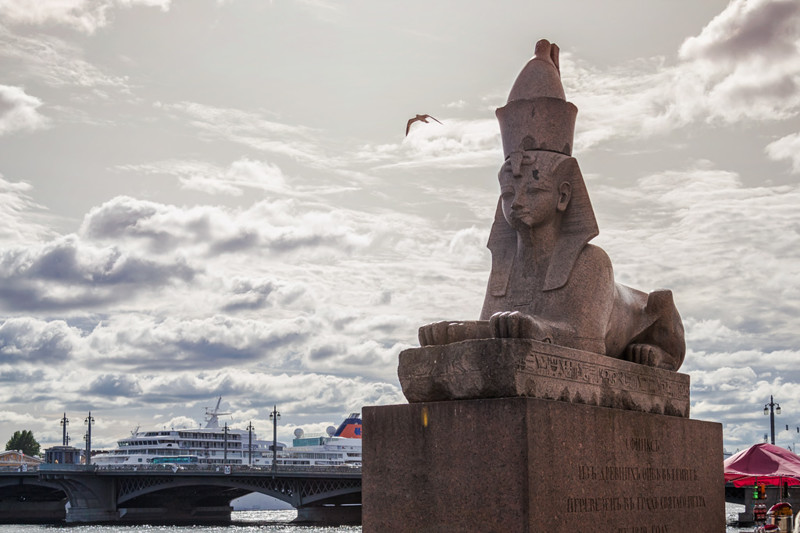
(243, 522)
(278, 521)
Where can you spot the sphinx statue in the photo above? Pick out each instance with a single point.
(547, 283)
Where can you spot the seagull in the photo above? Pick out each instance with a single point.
(423, 118)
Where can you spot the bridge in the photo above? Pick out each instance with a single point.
(190, 494)
(24, 498)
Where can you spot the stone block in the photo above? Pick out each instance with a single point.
(500, 368)
(532, 465)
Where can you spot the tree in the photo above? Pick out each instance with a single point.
(23, 440)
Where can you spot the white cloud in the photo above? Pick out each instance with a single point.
(240, 176)
(55, 62)
(468, 247)
(744, 65)
(248, 128)
(458, 104)
(787, 147)
(67, 273)
(29, 340)
(281, 226)
(703, 232)
(83, 15)
(747, 29)
(729, 253)
(748, 57)
(19, 111)
(19, 214)
(454, 144)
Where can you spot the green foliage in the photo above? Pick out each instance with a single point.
(23, 440)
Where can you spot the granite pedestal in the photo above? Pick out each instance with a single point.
(502, 368)
(534, 465)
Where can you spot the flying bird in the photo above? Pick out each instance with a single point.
(423, 118)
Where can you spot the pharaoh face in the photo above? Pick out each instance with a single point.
(530, 196)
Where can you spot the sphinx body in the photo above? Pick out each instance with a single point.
(560, 288)
(547, 282)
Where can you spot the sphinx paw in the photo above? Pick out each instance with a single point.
(516, 325)
(649, 355)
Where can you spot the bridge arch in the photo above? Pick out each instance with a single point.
(199, 495)
(296, 491)
(24, 498)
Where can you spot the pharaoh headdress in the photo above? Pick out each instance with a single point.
(538, 118)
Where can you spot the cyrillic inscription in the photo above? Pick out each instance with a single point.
(638, 503)
(635, 473)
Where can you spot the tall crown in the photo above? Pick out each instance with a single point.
(537, 115)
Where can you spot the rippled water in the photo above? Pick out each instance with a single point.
(246, 521)
(243, 522)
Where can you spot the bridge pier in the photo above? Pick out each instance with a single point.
(151, 515)
(330, 515)
(173, 515)
(91, 498)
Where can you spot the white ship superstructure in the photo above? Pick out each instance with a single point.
(215, 445)
(211, 444)
(341, 446)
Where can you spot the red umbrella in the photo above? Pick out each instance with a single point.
(763, 463)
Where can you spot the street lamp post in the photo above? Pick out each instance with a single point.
(64, 424)
(88, 422)
(225, 444)
(274, 416)
(250, 429)
(771, 409)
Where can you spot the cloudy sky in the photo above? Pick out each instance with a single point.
(203, 198)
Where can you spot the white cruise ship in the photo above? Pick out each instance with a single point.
(215, 445)
(341, 446)
(211, 444)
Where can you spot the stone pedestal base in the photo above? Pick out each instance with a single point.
(504, 368)
(531, 465)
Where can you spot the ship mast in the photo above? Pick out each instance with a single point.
(212, 417)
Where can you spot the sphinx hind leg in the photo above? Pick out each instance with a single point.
(662, 344)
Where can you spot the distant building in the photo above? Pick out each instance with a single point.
(65, 455)
(14, 459)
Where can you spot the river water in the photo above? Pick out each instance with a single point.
(243, 522)
(255, 521)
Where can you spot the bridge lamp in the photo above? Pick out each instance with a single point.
(88, 421)
(250, 429)
(274, 416)
(64, 424)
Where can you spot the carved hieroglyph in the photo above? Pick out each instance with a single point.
(547, 283)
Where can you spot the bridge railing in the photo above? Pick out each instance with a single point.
(211, 468)
(17, 468)
(231, 468)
